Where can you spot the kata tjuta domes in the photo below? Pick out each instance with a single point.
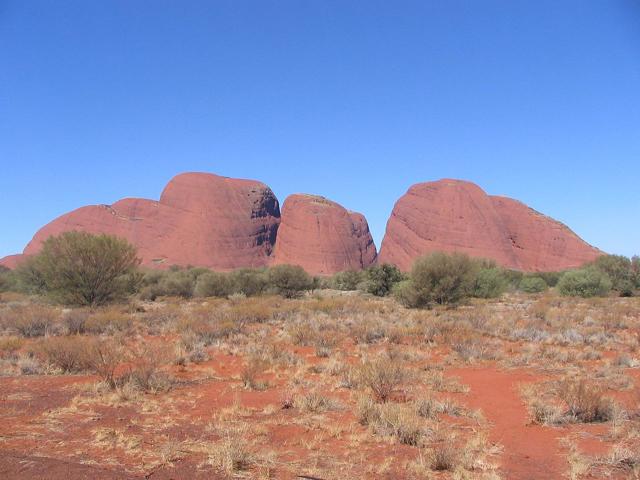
(225, 223)
(322, 236)
(454, 215)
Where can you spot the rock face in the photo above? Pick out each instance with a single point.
(11, 261)
(453, 215)
(322, 236)
(201, 219)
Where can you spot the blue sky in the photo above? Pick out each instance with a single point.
(538, 100)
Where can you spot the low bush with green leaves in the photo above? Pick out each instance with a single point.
(489, 283)
(533, 284)
(380, 279)
(289, 280)
(439, 278)
(586, 282)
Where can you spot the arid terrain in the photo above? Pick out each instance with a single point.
(333, 385)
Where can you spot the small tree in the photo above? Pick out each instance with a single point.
(289, 280)
(619, 270)
(380, 279)
(586, 282)
(442, 278)
(79, 268)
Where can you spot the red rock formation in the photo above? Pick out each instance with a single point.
(11, 261)
(453, 215)
(322, 236)
(201, 219)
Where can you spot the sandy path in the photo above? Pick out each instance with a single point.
(531, 452)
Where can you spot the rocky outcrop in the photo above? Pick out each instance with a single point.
(453, 215)
(11, 261)
(201, 219)
(322, 236)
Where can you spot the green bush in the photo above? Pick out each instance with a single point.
(380, 279)
(513, 278)
(214, 284)
(289, 280)
(348, 280)
(405, 293)
(620, 271)
(533, 284)
(249, 281)
(78, 268)
(442, 278)
(175, 282)
(6, 279)
(550, 278)
(489, 283)
(586, 282)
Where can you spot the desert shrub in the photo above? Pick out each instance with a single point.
(175, 282)
(29, 277)
(314, 402)
(619, 270)
(214, 284)
(444, 456)
(249, 281)
(489, 283)
(586, 402)
(231, 453)
(533, 284)
(382, 376)
(586, 282)
(70, 354)
(289, 280)
(30, 321)
(255, 366)
(79, 268)
(550, 278)
(7, 279)
(348, 280)
(75, 321)
(380, 279)
(635, 269)
(144, 369)
(9, 346)
(442, 278)
(103, 357)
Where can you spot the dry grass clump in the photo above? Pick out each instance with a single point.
(585, 401)
(254, 367)
(430, 408)
(315, 402)
(383, 376)
(144, 371)
(230, 453)
(569, 401)
(69, 354)
(391, 419)
(10, 345)
(30, 321)
(108, 320)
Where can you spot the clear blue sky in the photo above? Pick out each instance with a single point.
(538, 100)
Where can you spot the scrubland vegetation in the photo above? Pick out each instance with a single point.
(270, 373)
